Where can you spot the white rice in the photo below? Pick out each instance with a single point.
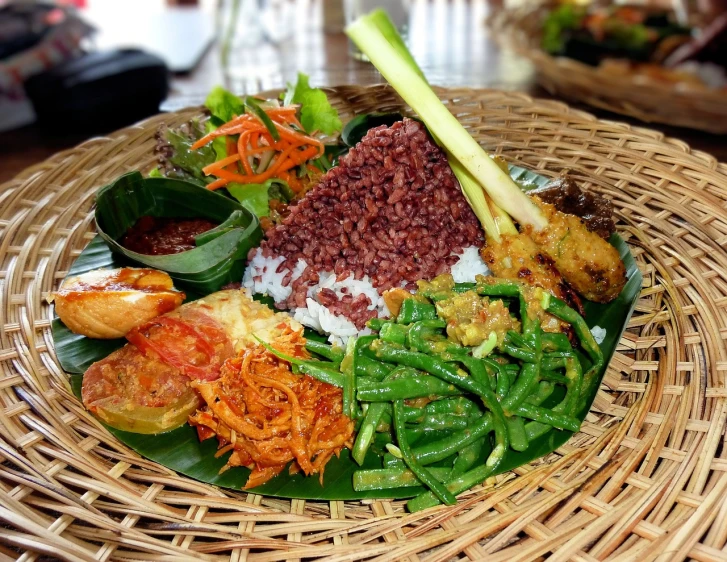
(261, 278)
(599, 334)
(470, 264)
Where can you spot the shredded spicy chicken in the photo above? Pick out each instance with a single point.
(268, 416)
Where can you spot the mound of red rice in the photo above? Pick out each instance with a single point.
(389, 214)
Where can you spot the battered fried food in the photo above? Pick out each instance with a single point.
(590, 264)
(518, 257)
(108, 303)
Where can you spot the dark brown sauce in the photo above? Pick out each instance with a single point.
(156, 236)
(566, 195)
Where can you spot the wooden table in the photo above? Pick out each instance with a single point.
(447, 37)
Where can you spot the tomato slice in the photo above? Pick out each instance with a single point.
(163, 345)
(200, 340)
(145, 344)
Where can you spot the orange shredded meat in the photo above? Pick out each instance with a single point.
(268, 416)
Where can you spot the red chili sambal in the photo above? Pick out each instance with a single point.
(158, 236)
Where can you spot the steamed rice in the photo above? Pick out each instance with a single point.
(262, 277)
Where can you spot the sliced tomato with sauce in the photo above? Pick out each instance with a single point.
(193, 343)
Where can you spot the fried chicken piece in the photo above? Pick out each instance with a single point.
(518, 257)
(590, 264)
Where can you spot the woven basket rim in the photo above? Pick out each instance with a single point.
(557, 105)
(646, 475)
(629, 93)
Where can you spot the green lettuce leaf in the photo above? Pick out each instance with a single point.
(223, 105)
(316, 112)
(189, 162)
(256, 196)
(252, 196)
(176, 159)
(219, 145)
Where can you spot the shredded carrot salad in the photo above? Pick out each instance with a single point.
(268, 416)
(255, 156)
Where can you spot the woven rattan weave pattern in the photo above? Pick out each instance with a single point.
(640, 96)
(645, 479)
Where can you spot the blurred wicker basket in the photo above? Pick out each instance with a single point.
(637, 95)
(645, 478)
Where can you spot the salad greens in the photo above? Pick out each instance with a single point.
(218, 145)
(316, 112)
(223, 105)
(188, 160)
(256, 196)
(178, 160)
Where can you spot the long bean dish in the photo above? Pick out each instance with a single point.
(434, 369)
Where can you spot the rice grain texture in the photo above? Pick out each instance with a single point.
(389, 214)
(391, 210)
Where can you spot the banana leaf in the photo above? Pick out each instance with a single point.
(357, 127)
(220, 255)
(181, 450)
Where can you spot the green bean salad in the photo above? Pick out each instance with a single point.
(441, 414)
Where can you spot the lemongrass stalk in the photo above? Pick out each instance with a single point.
(502, 220)
(472, 191)
(415, 91)
(475, 197)
(380, 18)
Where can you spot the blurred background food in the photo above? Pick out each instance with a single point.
(664, 44)
(660, 63)
(70, 69)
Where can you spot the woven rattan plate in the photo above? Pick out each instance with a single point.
(640, 96)
(645, 479)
